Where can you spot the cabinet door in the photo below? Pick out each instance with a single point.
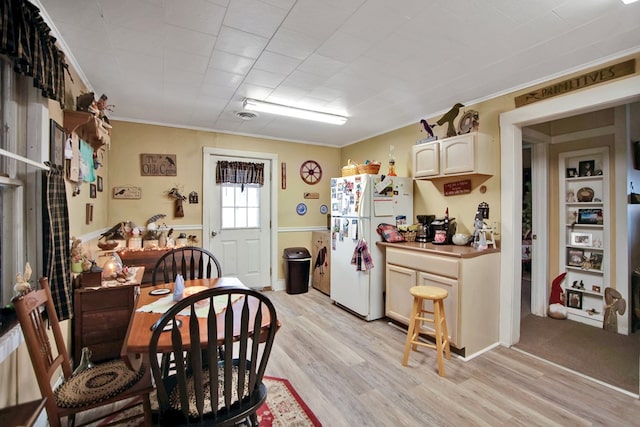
(450, 303)
(457, 155)
(398, 298)
(426, 159)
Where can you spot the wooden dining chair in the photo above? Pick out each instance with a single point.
(214, 391)
(98, 386)
(190, 261)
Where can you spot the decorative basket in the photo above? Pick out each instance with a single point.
(350, 169)
(371, 168)
(409, 236)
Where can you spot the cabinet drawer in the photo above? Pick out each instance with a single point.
(107, 298)
(439, 265)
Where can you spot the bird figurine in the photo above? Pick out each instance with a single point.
(449, 117)
(427, 127)
(170, 160)
(114, 233)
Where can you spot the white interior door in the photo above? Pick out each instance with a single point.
(237, 222)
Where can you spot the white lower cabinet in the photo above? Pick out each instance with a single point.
(472, 283)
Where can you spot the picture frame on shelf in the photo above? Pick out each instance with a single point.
(581, 239)
(596, 260)
(587, 168)
(590, 216)
(574, 299)
(572, 172)
(596, 288)
(575, 257)
(57, 139)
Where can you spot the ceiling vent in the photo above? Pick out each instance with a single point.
(246, 115)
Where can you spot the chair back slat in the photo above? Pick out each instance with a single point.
(220, 379)
(190, 261)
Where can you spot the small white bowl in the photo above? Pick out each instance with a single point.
(460, 239)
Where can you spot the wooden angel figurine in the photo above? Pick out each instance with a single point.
(22, 285)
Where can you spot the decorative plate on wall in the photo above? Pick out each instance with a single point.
(301, 209)
(324, 209)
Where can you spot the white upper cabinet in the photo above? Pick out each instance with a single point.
(468, 154)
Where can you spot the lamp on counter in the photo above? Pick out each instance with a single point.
(112, 267)
(286, 110)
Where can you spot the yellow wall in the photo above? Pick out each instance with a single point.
(129, 140)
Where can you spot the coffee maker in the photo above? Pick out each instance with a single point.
(424, 233)
(442, 230)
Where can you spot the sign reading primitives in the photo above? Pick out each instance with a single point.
(158, 165)
(579, 82)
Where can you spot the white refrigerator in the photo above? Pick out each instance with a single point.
(358, 204)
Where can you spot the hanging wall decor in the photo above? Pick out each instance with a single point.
(311, 172)
(158, 165)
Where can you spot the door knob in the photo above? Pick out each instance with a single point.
(214, 233)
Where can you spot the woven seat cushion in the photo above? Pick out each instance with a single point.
(174, 397)
(96, 384)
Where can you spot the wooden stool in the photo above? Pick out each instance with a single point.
(441, 335)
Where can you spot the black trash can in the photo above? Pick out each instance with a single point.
(297, 264)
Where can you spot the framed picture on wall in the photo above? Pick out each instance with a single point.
(57, 139)
(92, 191)
(99, 184)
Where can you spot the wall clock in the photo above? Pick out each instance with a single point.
(310, 172)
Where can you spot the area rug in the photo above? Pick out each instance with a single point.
(283, 408)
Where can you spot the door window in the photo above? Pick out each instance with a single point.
(240, 205)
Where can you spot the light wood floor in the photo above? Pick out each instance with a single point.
(348, 372)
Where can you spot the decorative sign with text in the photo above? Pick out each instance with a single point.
(579, 82)
(158, 165)
(459, 187)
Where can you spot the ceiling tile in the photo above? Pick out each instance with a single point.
(240, 43)
(197, 15)
(255, 17)
(229, 62)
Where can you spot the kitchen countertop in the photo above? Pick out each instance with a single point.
(443, 250)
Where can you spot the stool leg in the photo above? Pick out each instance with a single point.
(411, 330)
(438, 327)
(447, 347)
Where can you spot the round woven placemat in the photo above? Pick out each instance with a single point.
(96, 384)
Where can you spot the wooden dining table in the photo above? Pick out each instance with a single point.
(135, 349)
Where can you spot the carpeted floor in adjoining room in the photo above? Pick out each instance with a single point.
(606, 356)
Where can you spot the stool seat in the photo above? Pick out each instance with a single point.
(420, 315)
(429, 292)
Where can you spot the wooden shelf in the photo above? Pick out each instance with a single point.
(88, 127)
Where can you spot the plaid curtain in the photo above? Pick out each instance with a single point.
(55, 229)
(25, 38)
(239, 173)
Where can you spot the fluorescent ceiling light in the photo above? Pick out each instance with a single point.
(629, 1)
(300, 113)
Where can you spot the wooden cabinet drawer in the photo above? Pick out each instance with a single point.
(106, 299)
(421, 261)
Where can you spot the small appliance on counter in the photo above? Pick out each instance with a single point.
(424, 234)
(443, 229)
